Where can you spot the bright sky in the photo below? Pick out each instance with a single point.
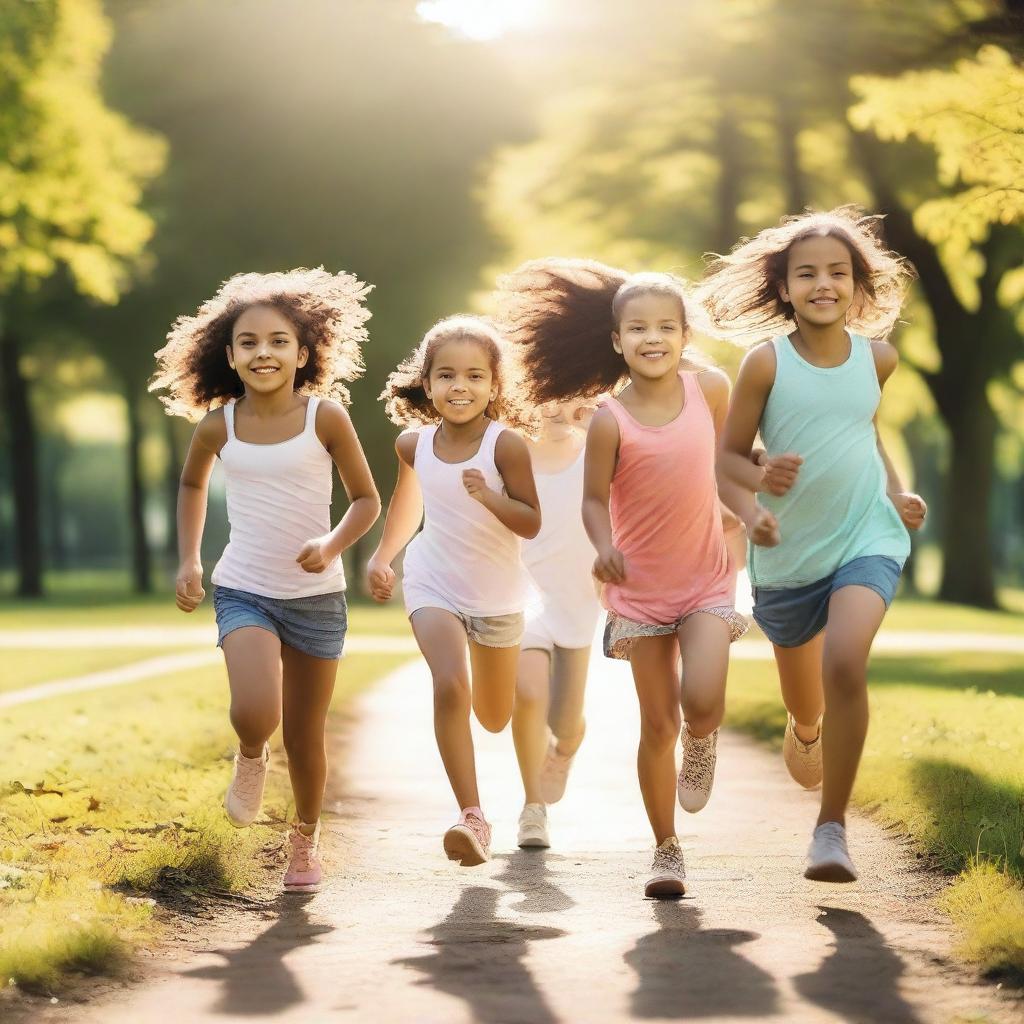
(480, 19)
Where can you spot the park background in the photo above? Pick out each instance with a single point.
(149, 150)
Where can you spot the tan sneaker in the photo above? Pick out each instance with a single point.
(555, 772)
(245, 793)
(802, 759)
(469, 840)
(697, 774)
(668, 873)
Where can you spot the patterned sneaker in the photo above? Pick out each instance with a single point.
(697, 775)
(828, 860)
(533, 826)
(668, 873)
(304, 872)
(469, 842)
(245, 794)
(802, 759)
(555, 773)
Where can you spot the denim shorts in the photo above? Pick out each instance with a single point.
(790, 617)
(314, 625)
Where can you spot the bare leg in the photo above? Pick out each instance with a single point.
(653, 660)
(802, 690)
(854, 615)
(529, 720)
(704, 645)
(253, 658)
(442, 639)
(308, 688)
(568, 688)
(494, 683)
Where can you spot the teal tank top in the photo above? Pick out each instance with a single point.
(838, 509)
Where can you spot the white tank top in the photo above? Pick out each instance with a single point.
(279, 496)
(560, 558)
(463, 552)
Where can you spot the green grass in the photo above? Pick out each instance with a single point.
(110, 805)
(942, 764)
(21, 667)
(935, 616)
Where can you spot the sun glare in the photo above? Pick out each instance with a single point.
(480, 19)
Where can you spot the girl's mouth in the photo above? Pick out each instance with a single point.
(264, 371)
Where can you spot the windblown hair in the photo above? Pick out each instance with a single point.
(327, 310)
(405, 398)
(560, 315)
(740, 292)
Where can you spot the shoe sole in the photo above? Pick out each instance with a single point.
(462, 847)
(830, 872)
(534, 843)
(665, 888)
(311, 887)
(692, 809)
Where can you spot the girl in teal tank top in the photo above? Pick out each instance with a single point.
(829, 534)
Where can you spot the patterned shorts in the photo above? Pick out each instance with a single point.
(621, 633)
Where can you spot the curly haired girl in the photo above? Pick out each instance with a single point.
(258, 365)
(463, 578)
(650, 507)
(829, 538)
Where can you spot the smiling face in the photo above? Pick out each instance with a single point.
(819, 280)
(265, 351)
(651, 334)
(460, 382)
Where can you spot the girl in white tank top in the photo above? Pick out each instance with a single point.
(562, 614)
(258, 365)
(468, 478)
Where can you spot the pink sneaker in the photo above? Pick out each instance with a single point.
(469, 842)
(245, 794)
(555, 773)
(304, 872)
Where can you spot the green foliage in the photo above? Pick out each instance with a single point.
(973, 116)
(71, 170)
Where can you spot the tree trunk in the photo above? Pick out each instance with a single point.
(24, 469)
(967, 575)
(789, 153)
(141, 581)
(728, 144)
(174, 463)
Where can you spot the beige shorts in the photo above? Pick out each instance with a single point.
(486, 630)
(621, 633)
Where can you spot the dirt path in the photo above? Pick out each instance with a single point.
(400, 935)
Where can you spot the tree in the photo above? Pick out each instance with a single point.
(71, 178)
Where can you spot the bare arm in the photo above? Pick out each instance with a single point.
(338, 436)
(193, 487)
(598, 469)
(405, 513)
(738, 477)
(519, 507)
(911, 507)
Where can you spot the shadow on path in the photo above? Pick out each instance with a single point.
(255, 981)
(859, 979)
(685, 972)
(527, 872)
(479, 958)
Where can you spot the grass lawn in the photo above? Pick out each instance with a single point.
(110, 801)
(943, 764)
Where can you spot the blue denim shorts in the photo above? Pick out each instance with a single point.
(792, 616)
(313, 625)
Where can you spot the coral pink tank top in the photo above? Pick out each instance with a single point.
(665, 515)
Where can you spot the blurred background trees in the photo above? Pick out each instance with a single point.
(366, 138)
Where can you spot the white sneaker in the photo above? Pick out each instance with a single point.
(697, 774)
(828, 860)
(668, 873)
(244, 797)
(803, 760)
(533, 826)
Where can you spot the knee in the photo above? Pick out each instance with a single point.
(531, 691)
(300, 748)
(253, 724)
(844, 677)
(660, 732)
(704, 716)
(492, 719)
(451, 692)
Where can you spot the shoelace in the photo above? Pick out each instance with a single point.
(478, 827)
(669, 859)
(302, 851)
(248, 776)
(699, 760)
